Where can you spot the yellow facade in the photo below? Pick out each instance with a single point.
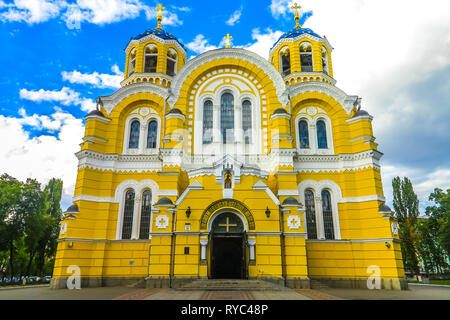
(297, 174)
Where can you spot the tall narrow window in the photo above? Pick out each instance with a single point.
(322, 135)
(134, 135)
(146, 210)
(303, 134)
(306, 57)
(327, 215)
(247, 121)
(324, 60)
(152, 135)
(227, 117)
(207, 122)
(310, 215)
(171, 62)
(151, 59)
(132, 64)
(127, 225)
(285, 62)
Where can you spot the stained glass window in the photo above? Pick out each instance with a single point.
(327, 215)
(152, 134)
(227, 118)
(247, 121)
(127, 225)
(304, 134)
(310, 215)
(322, 135)
(134, 135)
(145, 214)
(207, 121)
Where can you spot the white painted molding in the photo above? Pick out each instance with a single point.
(157, 39)
(346, 101)
(298, 38)
(362, 199)
(261, 186)
(110, 102)
(234, 53)
(288, 193)
(195, 185)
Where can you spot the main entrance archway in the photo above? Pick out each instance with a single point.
(228, 247)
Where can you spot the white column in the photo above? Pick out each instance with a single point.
(203, 243)
(239, 137)
(319, 218)
(251, 244)
(142, 138)
(136, 215)
(216, 124)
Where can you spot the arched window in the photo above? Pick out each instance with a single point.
(303, 134)
(207, 122)
(247, 121)
(134, 135)
(327, 215)
(152, 134)
(146, 210)
(227, 117)
(127, 225)
(171, 62)
(151, 59)
(306, 57)
(322, 135)
(324, 60)
(132, 64)
(285, 58)
(310, 215)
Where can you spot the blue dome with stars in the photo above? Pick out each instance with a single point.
(297, 32)
(159, 33)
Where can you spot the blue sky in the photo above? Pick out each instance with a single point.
(59, 55)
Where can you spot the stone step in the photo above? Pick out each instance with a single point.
(316, 284)
(229, 285)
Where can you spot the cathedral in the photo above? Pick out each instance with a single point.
(229, 166)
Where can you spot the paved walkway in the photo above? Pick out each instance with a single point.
(416, 292)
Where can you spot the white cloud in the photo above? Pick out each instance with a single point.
(280, 7)
(30, 11)
(264, 41)
(98, 12)
(234, 18)
(65, 96)
(95, 79)
(42, 157)
(182, 9)
(200, 44)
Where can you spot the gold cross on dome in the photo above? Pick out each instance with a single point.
(228, 225)
(159, 18)
(297, 16)
(228, 37)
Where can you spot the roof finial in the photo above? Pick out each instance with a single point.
(297, 16)
(228, 37)
(159, 18)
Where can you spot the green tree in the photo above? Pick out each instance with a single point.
(406, 206)
(441, 213)
(11, 221)
(429, 247)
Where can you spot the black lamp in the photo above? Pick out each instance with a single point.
(188, 212)
(268, 212)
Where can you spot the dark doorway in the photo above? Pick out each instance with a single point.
(228, 248)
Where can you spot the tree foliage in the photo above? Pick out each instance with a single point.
(440, 213)
(29, 225)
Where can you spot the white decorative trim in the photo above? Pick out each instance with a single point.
(110, 102)
(261, 186)
(298, 38)
(356, 119)
(346, 101)
(312, 132)
(362, 199)
(338, 163)
(83, 197)
(288, 193)
(293, 222)
(143, 133)
(157, 39)
(195, 185)
(96, 117)
(233, 53)
(63, 228)
(394, 228)
(162, 222)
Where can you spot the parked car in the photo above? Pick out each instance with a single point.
(47, 278)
